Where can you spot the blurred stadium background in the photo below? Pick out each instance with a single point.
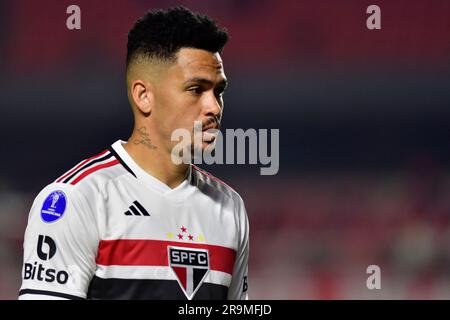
(363, 116)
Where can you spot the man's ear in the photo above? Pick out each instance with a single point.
(142, 95)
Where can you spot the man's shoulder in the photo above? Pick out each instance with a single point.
(205, 178)
(93, 170)
(88, 177)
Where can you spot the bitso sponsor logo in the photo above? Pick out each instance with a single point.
(46, 249)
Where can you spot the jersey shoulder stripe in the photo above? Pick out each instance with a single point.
(206, 179)
(66, 176)
(88, 166)
(93, 169)
(103, 160)
(210, 176)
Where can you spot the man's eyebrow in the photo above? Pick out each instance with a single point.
(222, 83)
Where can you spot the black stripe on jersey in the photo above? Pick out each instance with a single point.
(87, 165)
(49, 293)
(121, 161)
(141, 208)
(131, 289)
(135, 211)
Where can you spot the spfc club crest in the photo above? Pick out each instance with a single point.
(191, 266)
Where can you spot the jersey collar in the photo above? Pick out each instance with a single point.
(145, 177)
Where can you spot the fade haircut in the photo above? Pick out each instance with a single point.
(161, 33)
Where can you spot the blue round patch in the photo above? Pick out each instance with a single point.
(54, 206)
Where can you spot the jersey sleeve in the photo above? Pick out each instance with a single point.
(60, 245)
(239, 281)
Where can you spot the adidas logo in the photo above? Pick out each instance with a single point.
(136, 209)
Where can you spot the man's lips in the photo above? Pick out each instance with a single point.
(211, 123)
(213, 126)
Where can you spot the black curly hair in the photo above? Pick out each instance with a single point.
(161, 33)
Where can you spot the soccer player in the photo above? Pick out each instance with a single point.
(129, 223)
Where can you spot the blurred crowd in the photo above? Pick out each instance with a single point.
(317, 235)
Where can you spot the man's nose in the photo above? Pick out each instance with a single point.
(212, 105)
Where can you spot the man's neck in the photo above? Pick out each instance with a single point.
(156, 162)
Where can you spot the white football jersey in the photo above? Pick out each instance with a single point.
(106, 229)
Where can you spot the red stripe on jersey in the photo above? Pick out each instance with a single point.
(93, 169)
(80, 165)
(211, 176)
(128, 252)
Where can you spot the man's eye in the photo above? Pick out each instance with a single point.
(196, 90)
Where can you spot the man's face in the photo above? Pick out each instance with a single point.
(191, 90)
